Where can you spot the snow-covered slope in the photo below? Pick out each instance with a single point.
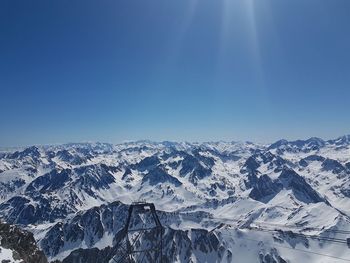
(76, 196)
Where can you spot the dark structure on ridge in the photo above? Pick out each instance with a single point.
(141, 239)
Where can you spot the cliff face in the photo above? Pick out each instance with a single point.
(21, 243)
(179, 246)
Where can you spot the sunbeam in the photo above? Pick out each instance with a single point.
(240, 34)
(179, 36)
(254, 37)
(245, 11)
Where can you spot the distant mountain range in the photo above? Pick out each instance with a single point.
(214, 199)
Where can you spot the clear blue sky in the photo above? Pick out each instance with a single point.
(173, 70)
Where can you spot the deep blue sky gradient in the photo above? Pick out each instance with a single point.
(173, 70)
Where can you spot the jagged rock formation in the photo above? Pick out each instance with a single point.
(21, 243)
(180, 246)
(74, 197)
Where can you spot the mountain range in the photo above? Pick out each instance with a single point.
(218, 201)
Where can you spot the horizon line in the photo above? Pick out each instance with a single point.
(170, 141)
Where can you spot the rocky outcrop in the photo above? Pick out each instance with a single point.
(271, 257)
(333, 166)
(301, 189)
(88, 227)
(265, 188)
(22, 244)
(91, 255)
(312, 144)
(180, 246)
(158, 175)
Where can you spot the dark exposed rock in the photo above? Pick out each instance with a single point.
(252, 179)
(303, 163)
(272, 257)
(176, 242)
(51, 181)
(71, 158)
(53, 240)
(91, 255)
(192, 163)
(311, 158)
(263, 157)
(347, 165)
(278, 144)
(314, 157)
(28, 152)
(204, 241)
(158, 175)
(88, 226)
(301, 189)
(93, 176)
(207, 161)
(126, 173)
(332, 165)
(199, 173)
(196, 165)
(250, 165)
(265, 189)
(312, 144)
(345, 192)
(341, 141)
(22, 243)
(11, 186)
(21, 210)
(147, 163)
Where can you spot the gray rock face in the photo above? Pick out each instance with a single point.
(75, 159)
(158, 175)
(88, 227)
(198, 166)
(205, 241)
(341, 141)
(22, 210)
(147, 164)
(22, 243)
(250, 165)
(91, 255)
(50, 181)
(314, 157)
(259, 158)
(347, 165)
(311, 158)
(301, 189)
(312, 144)
(28, 152)
(178, 244)
(271, 257)
(265, 188)
(333, 165)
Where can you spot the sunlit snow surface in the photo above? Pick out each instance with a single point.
(6, 255)
(198, 186)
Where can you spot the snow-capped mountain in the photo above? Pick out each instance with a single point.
(217, 201)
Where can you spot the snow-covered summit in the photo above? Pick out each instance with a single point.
(50, 190)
